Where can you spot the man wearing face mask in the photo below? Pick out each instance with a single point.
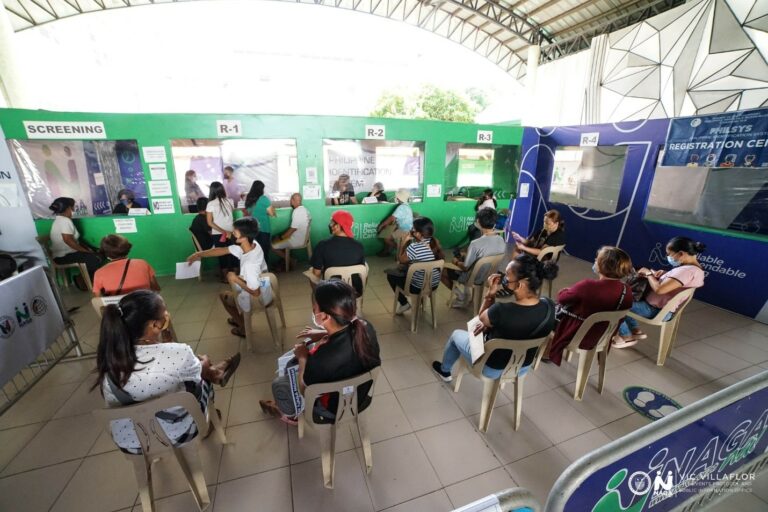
(340, 250)
(529, 317)
(252, 265)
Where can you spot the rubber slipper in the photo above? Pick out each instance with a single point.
(232, 365)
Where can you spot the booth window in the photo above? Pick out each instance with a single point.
(733, 199)
(90, 172)
(472, 168)
(588, 177)
(353, 167)
(200, 162)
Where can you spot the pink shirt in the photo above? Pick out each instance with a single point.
(690, 276)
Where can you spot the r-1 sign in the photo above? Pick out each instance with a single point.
(589, 139)
(375, 131)
(232, 128)
(484, 136)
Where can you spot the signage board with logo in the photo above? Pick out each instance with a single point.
(30, 321)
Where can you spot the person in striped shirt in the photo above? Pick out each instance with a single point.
(419, 245)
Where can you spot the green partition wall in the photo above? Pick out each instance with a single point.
(164, 239)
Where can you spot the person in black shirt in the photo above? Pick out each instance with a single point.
(343, 346)
(529, 317)
(345, 189)
(341, 250)
(127, 201)
(552, 235)
(200, 228)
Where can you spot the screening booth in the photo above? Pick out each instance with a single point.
(167, 160)
(615, 184)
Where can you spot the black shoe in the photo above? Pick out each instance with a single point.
(437, 366)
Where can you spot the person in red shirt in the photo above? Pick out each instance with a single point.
(122, 274)
(588, 296)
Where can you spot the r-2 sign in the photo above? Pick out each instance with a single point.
(231, 128)
(484, 136)
(589, 139)
(375, 131)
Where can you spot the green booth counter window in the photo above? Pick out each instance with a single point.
(96, 174)
(199, 162)
(588, 177)
(470, 169)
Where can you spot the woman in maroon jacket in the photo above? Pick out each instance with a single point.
(588, 296)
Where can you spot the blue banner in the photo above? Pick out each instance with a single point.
(731, 139)
(670, 470)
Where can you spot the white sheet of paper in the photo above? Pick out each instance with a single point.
(311, 174)
(154, 154)
(476, 342)
(525, 189)
(311, 192)
(125, 225)
(160, 188)
(138, 212)
(160, 206)
(434, 190)
(158, 172)
(98, 178)
(370, 200)
(186, 271)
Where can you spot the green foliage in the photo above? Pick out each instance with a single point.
(430, 102)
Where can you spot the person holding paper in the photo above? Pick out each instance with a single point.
(341, 346)
(252, 265)
(295, 236)
(552, 235)
(127, 200)
(122, 274)
(529, 317)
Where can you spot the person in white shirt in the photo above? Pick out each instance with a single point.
(220, 216)
(247, 284)
(294, 236)
(65, 239)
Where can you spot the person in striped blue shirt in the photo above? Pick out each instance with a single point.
(419, 245)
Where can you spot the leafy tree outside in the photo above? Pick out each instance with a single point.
(431, 102)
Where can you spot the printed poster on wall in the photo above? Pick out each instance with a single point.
(731, 139)
(131, 171)
(161, 206)
(565, 173)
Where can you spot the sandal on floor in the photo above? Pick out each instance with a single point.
(270, 408)
(231, 322)
(232, 364)
(639, 335)
(237, 332)
(289, 420)
(622, 342)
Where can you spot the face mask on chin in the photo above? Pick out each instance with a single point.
(319, 326)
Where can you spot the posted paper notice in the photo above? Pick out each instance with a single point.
(125, 225)
(476, 341)
(186, 270)
(154, 154)
(160, 206)
(158, 172)
(160, 188)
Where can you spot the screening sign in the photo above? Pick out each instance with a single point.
(731, 139)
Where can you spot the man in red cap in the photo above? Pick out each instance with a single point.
(340, 250)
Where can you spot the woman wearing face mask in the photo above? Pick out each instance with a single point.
(342, 346)
(529, 317)
(606, 293)
(134, 365)
(686, 273)
(127, 201)
(552, 235)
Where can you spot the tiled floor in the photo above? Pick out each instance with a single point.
(427, 452)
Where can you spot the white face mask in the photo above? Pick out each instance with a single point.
(319, 326)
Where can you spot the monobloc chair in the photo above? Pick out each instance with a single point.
(345, 274)
(611, 320)
(155, 444)
(554, 251)
(198, 248)
(668, 329)
(417, 300)
(256, 304)
(345, 412)
(511, 374)
(307, 245)
(61, 269)
(99, 303)
(481, 269)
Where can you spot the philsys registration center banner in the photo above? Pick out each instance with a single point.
(712, 450)
(732, 139)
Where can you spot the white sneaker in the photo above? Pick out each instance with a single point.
(402, 308)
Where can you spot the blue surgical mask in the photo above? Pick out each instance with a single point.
(125, 202)
(594, 268)
(672, 261)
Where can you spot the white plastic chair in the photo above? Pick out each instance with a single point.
(307, 245)
(276, 303)
(61, 269)
(481, 269)
(554, 251)
(155, 444)
(417, 300)
(612, 318)
(346, 411)
(345, 274)
(198, 248)
(667, 330)
(511, 375)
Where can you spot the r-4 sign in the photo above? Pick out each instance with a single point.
(230, 128)
(484, 136)
(375, 131)
(589, 139)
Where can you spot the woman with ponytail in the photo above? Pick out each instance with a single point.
(342, 346)
(134, 365)
(686, 273)
(529, 317)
